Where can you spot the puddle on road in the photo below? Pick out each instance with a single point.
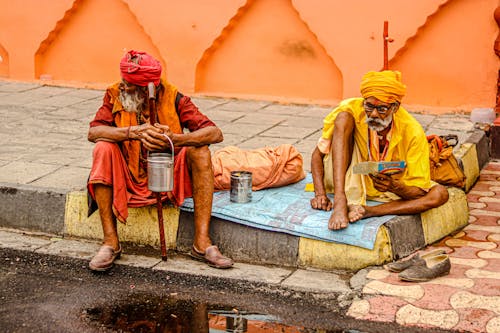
(173, 315)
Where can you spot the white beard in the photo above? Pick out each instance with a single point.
(377, 124)
(131, 102)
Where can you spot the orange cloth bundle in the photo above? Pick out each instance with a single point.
(270, 167)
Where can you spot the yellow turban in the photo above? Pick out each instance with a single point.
(385, 86)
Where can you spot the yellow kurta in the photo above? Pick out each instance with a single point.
(408, 142)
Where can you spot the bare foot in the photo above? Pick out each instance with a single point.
(339, 218)
(356, 213)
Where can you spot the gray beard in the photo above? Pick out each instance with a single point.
(377, 124)
(132, 102)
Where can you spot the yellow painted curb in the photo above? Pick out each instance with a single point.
(326, 255)
(468, 154)
(443, 220)
(141, 228)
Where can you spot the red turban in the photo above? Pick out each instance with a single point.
(140, 68)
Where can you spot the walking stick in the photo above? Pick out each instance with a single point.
(152, 121)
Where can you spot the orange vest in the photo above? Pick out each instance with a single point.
(167, 115)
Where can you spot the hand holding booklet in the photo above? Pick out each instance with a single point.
(385, 167)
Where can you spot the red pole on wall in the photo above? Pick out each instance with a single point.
(386, 41)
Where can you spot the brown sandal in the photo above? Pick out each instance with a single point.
(212, 257)
(104, 258)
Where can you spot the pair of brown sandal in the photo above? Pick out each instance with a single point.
(212, 256)
(422, 268)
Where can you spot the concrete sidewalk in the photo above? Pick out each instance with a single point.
(46, 157)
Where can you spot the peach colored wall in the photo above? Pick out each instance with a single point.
(311, 51)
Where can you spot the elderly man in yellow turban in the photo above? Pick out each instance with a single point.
(373, 128)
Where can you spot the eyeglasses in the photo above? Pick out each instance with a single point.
(381, 109)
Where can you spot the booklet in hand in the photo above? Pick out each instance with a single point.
(385, 167)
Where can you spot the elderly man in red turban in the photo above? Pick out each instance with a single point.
(373, 128)
(123, 134)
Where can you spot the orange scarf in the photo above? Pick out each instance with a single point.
(167, 115)
(374, 153)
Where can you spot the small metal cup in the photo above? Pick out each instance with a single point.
(241, 186)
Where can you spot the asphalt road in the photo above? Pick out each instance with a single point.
(42, 293)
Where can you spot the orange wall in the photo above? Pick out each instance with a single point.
(312, 51)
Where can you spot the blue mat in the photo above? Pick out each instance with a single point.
(287, 209)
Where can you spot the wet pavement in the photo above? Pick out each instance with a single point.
(46, 293)
(45, 130)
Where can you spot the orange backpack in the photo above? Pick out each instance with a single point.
(445, 168)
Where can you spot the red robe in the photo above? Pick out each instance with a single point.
(119, 164)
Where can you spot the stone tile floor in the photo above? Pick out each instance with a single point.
(468, 299)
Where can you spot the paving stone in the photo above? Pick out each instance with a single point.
(482, 193)
(477, 235)
(71, 248)
(261, 119)
(491, 229)
(70, 178)
(493, 326)
(288, 132)
(24, 172)
(464, 252)
(87, 93)
(455, 121)
(359, 309)
(488, 255)
(58, 101)
(485, 287)
(377, 274)
(460, 234)
(473, 205)
(284, 109)
(315, 281)
(12, 87)
(219, 116)
(473, 320)
(19, 241)
(245, 130)
(240, 271)
(477, 245)
(484, 212)
(383, 308)
(305, 122)
(436, 297)
(477, 263)
(317, 112)
(490, 199)
(412, 315)
(242, 105)
(424, 119)
(259, 142)
(208, 103)
(476, 273)
(409, 293)
(487, 220)
(465, 299)
(494, 238)
(460, 283)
